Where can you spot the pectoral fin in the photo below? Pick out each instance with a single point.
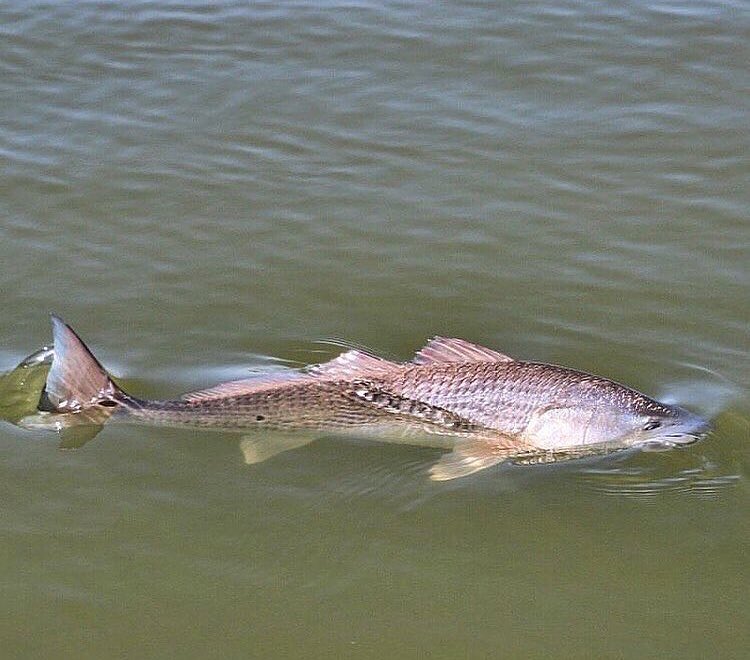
(259, 448)
(468, 457)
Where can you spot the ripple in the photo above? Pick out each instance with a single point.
(636, 479)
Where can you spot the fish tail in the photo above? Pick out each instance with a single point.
(77, 384)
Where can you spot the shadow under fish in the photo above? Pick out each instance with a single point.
(482, 405)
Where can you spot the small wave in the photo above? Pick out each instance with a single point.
(706, 480)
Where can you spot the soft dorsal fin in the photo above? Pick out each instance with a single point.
(447, 349)
(352, 363)
(245, 386)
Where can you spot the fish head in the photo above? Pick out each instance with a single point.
(667, 427)
(651, 426)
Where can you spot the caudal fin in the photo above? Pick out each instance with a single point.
(77, 383)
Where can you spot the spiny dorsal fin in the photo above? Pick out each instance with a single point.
(244, 386)
(352, 363)
(447, 349)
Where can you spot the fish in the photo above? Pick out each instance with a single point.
(483, 406)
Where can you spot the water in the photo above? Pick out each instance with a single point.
(205, 190)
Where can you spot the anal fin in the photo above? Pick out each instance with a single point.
(259, 448)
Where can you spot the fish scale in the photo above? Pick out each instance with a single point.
(505, 396)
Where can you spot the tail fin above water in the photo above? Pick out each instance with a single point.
(77, 384)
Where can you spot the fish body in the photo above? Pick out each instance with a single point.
(486, 406)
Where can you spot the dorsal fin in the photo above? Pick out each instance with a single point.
(447, 349)
(352, 363)
(244, 386)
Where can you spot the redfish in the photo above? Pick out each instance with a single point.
(483, 405)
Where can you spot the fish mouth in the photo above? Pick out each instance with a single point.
(676, 440)
(682, 439)
(667, 442)
(690, 429)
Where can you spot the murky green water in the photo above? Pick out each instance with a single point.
(206, 189)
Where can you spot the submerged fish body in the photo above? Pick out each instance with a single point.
(486, 406)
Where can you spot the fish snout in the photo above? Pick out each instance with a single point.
(690, 428)
(685, 428)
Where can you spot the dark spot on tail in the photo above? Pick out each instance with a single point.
(108, 403)
(259, 418)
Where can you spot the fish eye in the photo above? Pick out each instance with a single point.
(651, 424)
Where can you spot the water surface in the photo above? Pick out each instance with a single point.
(205, 190)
